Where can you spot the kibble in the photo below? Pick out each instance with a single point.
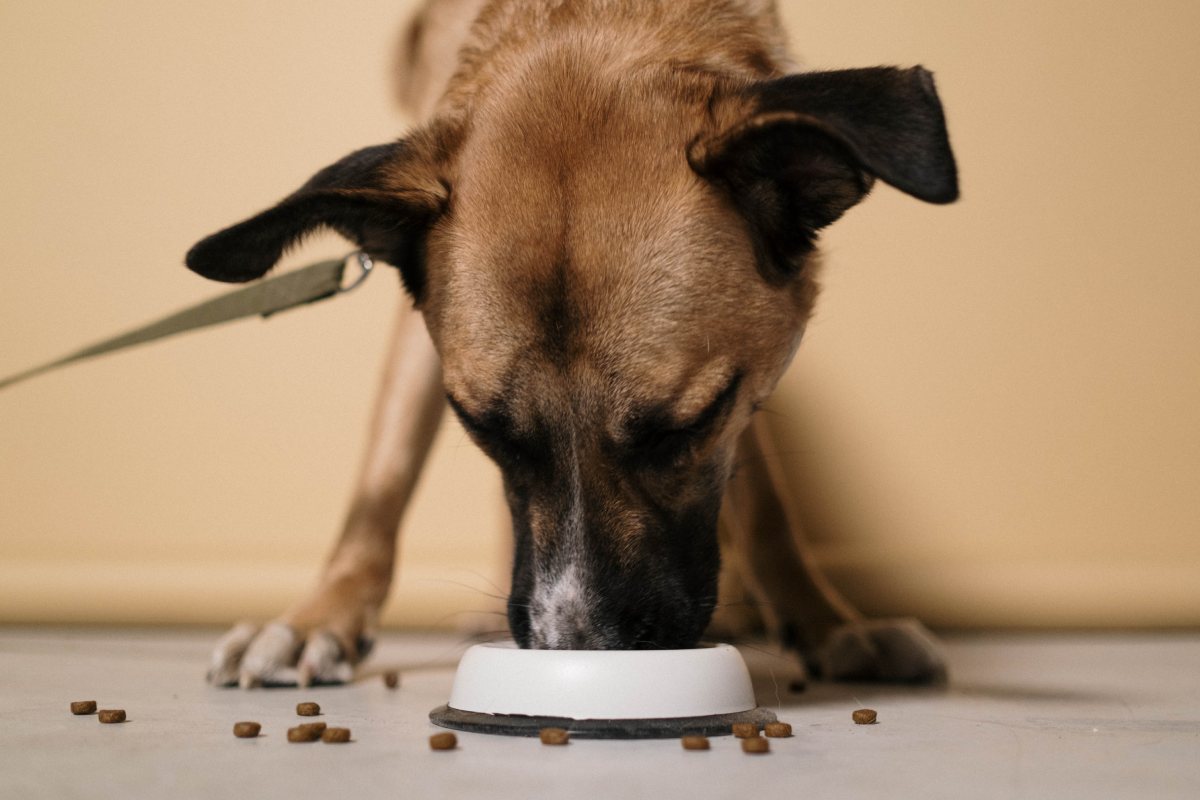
(554, 736)
(246, 730)
(745, 730)
(695, 742)
(336, 735)
(83, 707)
(391, 679)
(443, 741)
(755, 744)
(777, 730)
(308, 709)
(303, 733)
(864, 716)
(316, 727)
(110, 715)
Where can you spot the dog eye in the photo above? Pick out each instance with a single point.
(487, 429)
(669, 443)
(656, 439)
(493, 433)
(472, 424)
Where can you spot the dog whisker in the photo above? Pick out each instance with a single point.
(485, 579)
(465, 586)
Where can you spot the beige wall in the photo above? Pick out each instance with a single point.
(995, 418)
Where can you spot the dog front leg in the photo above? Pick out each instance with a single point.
(322, 637)
(796, 601)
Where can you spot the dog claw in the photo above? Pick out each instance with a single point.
(321, 659)
(272, 651)
(228, 654)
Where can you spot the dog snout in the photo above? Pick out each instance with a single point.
(570, 613)
(604, 558)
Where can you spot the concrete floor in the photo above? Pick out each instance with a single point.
(1026, 716)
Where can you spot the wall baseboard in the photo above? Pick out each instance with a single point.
(458, 597)
(470, 597)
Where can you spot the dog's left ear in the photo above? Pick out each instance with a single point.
(809, 146)
(382, 198)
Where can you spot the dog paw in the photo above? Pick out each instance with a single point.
(277, 655)
(890, 651)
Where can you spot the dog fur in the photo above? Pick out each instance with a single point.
(607, 224)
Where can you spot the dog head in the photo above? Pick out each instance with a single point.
(615, 276)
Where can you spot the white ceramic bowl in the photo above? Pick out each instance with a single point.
(500, 678)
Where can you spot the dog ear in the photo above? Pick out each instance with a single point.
(812, 144)
(382, 198)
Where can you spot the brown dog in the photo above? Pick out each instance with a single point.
(607, 223)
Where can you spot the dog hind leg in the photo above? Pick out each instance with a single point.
(796, 601)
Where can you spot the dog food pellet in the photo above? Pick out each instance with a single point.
(246, 730)
(864, 716)
(777, 730)
(308, 709)
(316, 727)
(553, 736)
(83, 707)
(695, 742)
(112, 715)
(391, 679)
(744, 730)
(755, 744)
(443, 741)
(303, 733)
(336, 735)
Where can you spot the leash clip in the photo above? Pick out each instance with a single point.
(366, 264)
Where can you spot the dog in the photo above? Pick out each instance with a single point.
(607, 225)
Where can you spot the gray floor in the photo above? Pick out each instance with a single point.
(1026, 716)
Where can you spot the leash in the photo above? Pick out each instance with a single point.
(295, 288)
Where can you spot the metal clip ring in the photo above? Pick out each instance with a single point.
(365, 264)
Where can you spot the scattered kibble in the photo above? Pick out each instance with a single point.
(336, 735)
(554, 736)
(246, 730)
(443, 741)
(755, 744)
(303, 733)
(777, 730)
(110, 715)
(745, 730)
(83, 707)
(695, 742)
(316, 727)
(391, 679)
(864, 716)
(308, 709)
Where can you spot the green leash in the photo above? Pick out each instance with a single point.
(296, 288)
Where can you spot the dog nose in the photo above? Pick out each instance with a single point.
(550, 632)
(553, 629)
(572, 640)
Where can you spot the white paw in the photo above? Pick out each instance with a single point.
(275, 655)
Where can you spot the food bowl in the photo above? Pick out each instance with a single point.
(500, 688)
